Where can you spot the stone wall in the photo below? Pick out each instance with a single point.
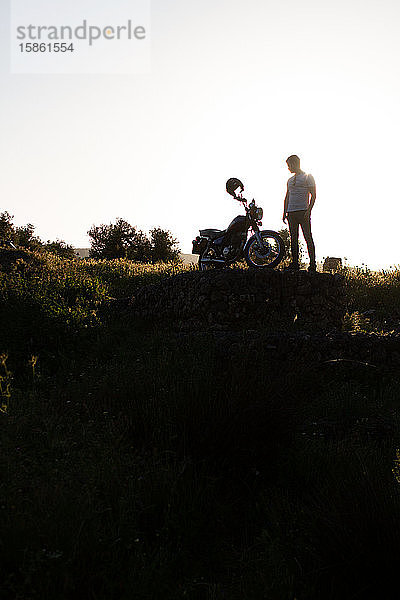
(221, 299)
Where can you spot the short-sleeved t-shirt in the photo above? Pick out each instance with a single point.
(299, 188)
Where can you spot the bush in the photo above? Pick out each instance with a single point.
(119, 240)
(60, 248)
(163, 246)
(24, 237)
(122, 240)
(6, 228)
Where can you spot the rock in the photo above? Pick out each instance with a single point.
(243, 297)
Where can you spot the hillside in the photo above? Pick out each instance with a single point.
(163, 455)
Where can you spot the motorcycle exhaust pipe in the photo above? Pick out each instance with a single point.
(213, 260)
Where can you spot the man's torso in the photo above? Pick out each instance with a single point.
(299, 188)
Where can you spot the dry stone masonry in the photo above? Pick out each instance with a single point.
(225, 299)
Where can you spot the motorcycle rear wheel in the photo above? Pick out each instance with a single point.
(267, 257)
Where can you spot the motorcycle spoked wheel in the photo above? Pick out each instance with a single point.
(267, 257)
(206, 266)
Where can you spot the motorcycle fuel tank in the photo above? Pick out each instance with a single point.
(238, 224)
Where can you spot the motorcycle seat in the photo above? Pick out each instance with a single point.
(212, 233)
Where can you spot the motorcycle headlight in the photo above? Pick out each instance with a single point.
(259, 213)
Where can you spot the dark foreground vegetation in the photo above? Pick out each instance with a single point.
(139, 461)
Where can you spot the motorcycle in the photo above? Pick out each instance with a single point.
(217, 249)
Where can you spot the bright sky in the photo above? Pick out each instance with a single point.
(235, 87)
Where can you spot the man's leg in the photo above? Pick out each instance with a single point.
(294, 237)
(306, 228)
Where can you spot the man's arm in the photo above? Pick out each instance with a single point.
(312, 194)
(285, 205)
(312, 197)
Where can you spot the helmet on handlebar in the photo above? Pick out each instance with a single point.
(232, 185)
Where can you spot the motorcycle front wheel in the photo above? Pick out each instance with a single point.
(269, 255)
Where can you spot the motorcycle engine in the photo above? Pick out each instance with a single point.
(228, 252)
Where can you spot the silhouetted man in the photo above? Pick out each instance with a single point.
(299, 202)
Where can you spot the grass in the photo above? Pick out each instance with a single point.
(142, 463)
(373, 299)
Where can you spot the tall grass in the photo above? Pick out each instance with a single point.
(373, 298)
(50, 305)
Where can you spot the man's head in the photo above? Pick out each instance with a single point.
(293, 163)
